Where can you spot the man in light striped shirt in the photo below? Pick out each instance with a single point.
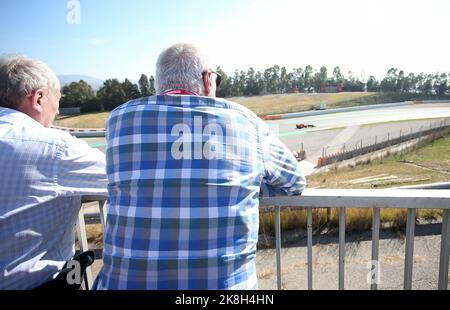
(44, 173)
(185, 171)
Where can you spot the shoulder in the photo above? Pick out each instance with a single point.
(235, 107)
(132, 105)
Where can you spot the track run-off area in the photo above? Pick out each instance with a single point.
(333, 131)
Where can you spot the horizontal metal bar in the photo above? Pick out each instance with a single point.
(364, 198)
(93, 198)
(444, 185)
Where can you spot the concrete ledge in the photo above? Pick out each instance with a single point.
(84, 132)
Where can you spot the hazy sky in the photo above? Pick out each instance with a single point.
(124, 38)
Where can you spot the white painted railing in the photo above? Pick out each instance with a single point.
(410, 199)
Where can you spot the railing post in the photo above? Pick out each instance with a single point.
(375, 248)
(82, 240)
(445, 251)
(409, 251)
(309, 229)
(278, 244)
(101, 208)
(341, 248)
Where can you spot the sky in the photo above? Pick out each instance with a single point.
(123, 38)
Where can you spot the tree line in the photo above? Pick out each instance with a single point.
(274, 80)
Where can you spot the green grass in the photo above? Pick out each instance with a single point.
(402, 121)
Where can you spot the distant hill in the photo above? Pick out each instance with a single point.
(67, 79)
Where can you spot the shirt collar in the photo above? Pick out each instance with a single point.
(179, 92)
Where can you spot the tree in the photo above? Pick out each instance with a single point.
(111, 94)
(284, 83)
(428, 85)
(144, 86)
(337, 76)
(298, 78)
(400, 83)
(308, 78)
(410, 83)
(389, 83)
(130, 90)
(443, 84)
(76, 94)
(151, 82)
(321, 77)
(224, 89)
(372, 84)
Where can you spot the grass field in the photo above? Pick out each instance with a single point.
(286, 103)
(261, 105)
(427, 164)
(91, 120)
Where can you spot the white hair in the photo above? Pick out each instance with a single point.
(20, 76)
(180, 67)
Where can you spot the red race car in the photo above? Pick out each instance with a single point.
(301, 126)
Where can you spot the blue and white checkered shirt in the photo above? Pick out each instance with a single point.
(185, 174)
(44, 172)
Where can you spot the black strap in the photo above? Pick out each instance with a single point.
(60, 282)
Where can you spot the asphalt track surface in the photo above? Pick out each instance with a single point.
(333, 132)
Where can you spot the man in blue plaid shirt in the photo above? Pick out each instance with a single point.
(185, 171)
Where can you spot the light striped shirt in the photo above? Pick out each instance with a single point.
(185, 174)
(44, 172)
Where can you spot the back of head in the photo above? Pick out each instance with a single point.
(20, 76)
(180, 67)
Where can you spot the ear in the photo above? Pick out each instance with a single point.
(207, 83)
(37, 100)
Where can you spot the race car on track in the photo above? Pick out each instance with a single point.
(301, 126)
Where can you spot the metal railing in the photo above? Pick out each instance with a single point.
(410, 199)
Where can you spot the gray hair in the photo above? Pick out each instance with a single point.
(180, 67)
(20, 76)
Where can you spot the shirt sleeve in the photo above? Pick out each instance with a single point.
(81, 169)
(283, 175)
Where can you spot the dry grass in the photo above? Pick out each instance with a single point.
(92, 120)
(433, 165)
(286, 103)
